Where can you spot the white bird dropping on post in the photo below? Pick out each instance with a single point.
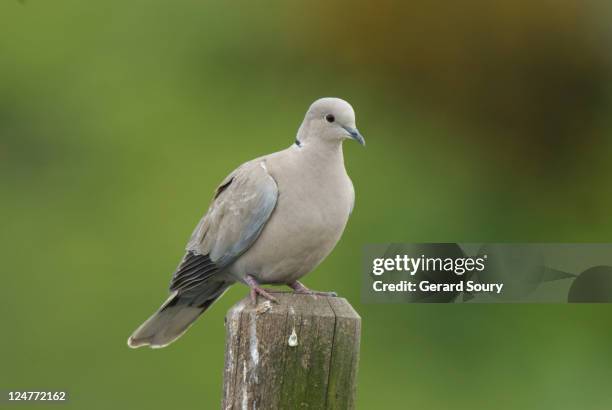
(271, 221)
(293, 340)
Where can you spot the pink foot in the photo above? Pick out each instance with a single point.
(298, 287)
(257, 290)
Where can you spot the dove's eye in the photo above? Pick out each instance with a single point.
(330, 118)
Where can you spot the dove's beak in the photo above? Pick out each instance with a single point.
(355, 134)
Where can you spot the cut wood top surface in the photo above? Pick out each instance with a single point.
(297, 304)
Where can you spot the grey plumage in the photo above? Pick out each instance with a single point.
(271, 221)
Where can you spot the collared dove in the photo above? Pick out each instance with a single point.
(271, 221)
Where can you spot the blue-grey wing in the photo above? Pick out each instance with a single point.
(239, 211)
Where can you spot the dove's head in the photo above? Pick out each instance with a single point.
(329, 120)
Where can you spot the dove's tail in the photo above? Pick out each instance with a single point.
(174, 318)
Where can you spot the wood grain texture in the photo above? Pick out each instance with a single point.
(316, 369)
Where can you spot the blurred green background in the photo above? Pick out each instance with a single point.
(485, 122)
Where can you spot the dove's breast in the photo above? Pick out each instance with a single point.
(311, 213)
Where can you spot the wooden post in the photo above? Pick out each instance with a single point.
(301, 353)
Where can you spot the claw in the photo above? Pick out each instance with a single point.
(257, 290)
(298, 287)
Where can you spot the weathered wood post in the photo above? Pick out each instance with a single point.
(300, 353)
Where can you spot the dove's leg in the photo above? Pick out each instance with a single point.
(257, 290)
(298, 287)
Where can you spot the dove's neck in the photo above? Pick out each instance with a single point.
(320, 155)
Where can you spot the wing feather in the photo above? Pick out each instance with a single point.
(241, 206)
